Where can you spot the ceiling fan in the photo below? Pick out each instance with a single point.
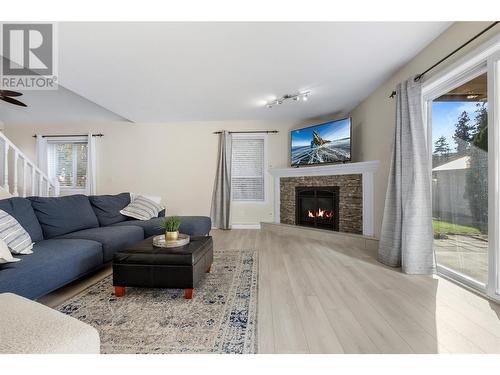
(6, 96)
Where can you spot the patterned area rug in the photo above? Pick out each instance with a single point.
(221, 317)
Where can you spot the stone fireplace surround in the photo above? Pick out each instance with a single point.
(317, 207)
(355, 181)
(350, 199)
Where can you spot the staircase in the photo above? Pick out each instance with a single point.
(20, 176)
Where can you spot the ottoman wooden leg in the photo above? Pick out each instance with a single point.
(119, 291)
(209, 269)
(188, 293)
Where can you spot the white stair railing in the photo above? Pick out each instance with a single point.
(39, 185)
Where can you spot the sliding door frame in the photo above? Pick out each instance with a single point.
(494, 182)
(483, 59)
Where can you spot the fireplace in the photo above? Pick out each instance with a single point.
(317, 207)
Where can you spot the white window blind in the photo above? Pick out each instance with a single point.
(248, 172)
(67, 162)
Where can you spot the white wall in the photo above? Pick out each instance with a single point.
(177, 161)
(373, 119)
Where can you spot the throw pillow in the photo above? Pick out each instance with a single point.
(21, 209)
(5, 255)
(142, 208)
(14, 235)
(155, 198)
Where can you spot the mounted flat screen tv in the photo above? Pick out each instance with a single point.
(322, 144)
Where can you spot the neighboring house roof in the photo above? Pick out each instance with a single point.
(460, 163)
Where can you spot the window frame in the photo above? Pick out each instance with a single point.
(262, 136)
(73, 140)
(483, 59)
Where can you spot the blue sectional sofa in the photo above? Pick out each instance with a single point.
(74, 236)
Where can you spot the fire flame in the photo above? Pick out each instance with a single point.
(320, 213)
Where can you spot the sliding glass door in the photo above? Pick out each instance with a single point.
(462, 111)
(459, 123)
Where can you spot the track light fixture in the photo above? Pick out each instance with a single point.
(295, 97)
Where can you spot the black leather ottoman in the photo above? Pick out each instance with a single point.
(145, 266)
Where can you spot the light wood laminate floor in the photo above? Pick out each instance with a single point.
(316, 298)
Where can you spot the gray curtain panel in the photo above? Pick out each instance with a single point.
(406, 237)
(221, 197)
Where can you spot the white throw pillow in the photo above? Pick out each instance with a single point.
(142, 208)
(5, 255)
(14, 235)
(155, 198)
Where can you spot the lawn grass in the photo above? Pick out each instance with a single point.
(450, 228)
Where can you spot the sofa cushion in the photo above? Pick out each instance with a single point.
(61, 215)
(195, 225)
(112, 238)
(29, 327)
(53, 264)
(151, 227)
(21, 210)
(191, 225)
(107, 207)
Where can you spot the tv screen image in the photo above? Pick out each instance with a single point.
(325, 143)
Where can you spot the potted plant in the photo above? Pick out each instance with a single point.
(171, 226)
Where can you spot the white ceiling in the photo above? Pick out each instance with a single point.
(55, 106)
(158, 72)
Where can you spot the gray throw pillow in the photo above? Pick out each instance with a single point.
(14, 235)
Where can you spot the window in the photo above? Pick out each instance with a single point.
(67, 162)
(248, 168)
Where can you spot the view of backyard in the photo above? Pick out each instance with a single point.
(459, 179)
(461, 248)
(444, 228)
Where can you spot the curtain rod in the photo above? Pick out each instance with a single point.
(419, 77)
(251, 131)
(69, 135)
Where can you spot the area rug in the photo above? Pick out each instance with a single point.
(221, 317)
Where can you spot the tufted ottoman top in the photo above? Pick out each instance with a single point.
(145, 253)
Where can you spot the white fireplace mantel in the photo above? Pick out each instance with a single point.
(366, 169)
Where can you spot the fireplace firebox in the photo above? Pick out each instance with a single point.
(317, 207)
